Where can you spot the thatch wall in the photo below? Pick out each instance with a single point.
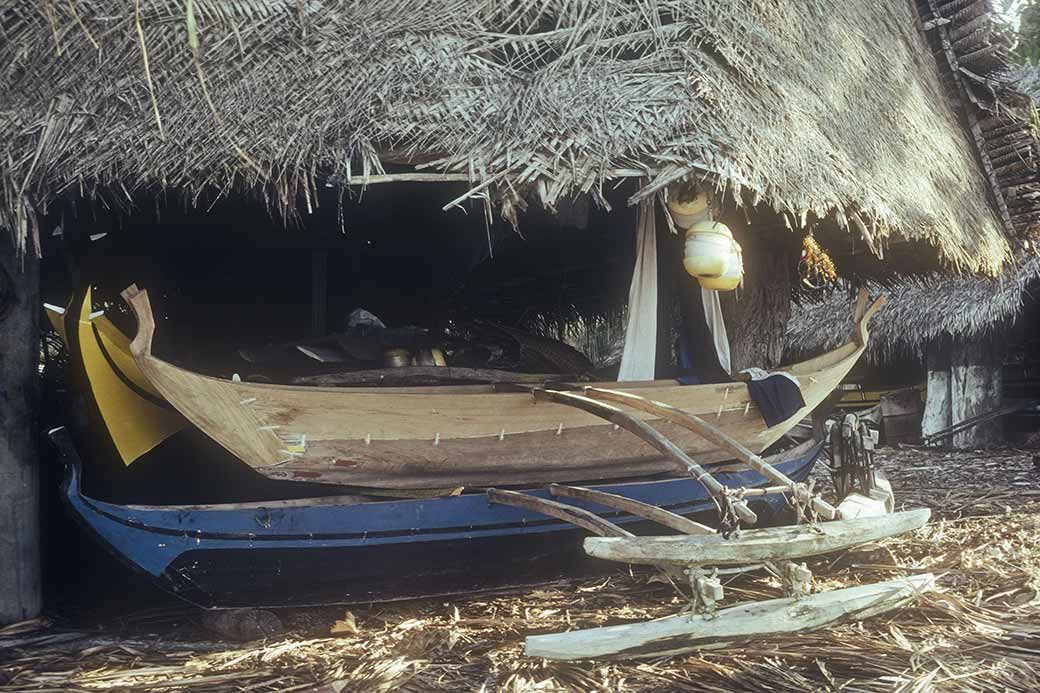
(919, 311)
(821, 109)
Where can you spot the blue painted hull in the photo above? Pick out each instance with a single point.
(325, 552)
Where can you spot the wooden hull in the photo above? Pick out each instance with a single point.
(340, 550)
(456, 435)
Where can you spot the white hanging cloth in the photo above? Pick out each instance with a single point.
(717, 327)
(640, 354)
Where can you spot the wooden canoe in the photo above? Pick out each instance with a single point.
(345, 548)
(465, 435)
(755, 620)
(756, 545)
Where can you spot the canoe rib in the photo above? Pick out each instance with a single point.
(440, 436)
(686, 633)
(756, 545)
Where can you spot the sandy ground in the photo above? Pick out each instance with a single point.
(980, 631)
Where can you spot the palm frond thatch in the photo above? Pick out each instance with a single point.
(919, 311)
(824, 109)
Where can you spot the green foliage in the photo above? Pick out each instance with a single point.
(1027, 50)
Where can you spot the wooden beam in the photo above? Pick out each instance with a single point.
(422, 177)
(756, 545)
(578, 517)
(661, 516)
(20, 585)
(409, 178)
(648, 434)
(710, 433)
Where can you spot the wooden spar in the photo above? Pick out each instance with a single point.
(756, 545)
(711, 433)
(686, 633)
(647, 433)
(568, 513)
(661, 516)
(448, 177)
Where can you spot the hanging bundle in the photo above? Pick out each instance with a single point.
(816, 267)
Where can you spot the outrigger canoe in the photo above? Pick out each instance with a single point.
(343, 549)
(463, 435)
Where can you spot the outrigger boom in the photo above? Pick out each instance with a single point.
(859, 519)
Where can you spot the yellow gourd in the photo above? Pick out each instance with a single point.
(685, 213)
(733, 275)
(708, 248)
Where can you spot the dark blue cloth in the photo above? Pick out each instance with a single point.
(778, 398)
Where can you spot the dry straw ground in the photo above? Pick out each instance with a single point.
(980, 632)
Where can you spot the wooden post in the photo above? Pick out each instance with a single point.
(937, 408)
(669, 264)
(20, 589)
(976, 385)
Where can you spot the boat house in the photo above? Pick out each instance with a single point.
(266, 169)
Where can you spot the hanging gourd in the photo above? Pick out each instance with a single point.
(713, 257)
(687, 212)
(732, 277)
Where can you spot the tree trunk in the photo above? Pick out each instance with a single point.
(756, 315)
(20, 595)
(976, 386)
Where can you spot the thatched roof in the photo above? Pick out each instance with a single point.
(824, 109)
(919, 311)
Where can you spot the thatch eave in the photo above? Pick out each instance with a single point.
(827, 112)
(919, 311)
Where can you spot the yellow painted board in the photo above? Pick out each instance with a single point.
(137, 417)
